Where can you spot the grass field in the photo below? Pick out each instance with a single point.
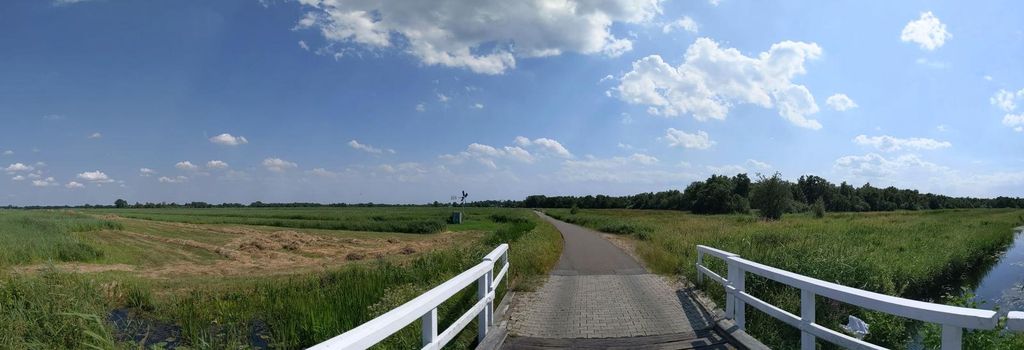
(922, 255)
(215, 278)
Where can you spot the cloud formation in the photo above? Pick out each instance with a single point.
(840, 102)
(712, 79)
(927, 32)
(1007, 102)
(483, 36)
(95, 177)
(229, 140)
(278, 165)
(369, 149)
(685, 23)
(679, 138)
(888, 143)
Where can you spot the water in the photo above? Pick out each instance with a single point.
(1003, 285)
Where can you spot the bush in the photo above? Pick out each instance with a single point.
(818, 208)
(575, 209)
(771, 195)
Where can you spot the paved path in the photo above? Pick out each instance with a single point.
(599, 291)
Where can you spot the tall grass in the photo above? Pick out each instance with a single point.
(33, 236)
(287, 312)
(382, 220)
(920, 255)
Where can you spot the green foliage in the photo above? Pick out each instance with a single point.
(908, 254)
(45, 311)
(422, 220)
(35, 236)
(717, 195)
(771, 196)
(575, 209)
(818, 208)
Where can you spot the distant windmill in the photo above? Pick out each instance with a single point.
(464, 195)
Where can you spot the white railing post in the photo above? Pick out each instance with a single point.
(429, 328)
(700, 262)
(730, 298)
(484, 317)
(736, 280)
(807, 318)
(952, 337)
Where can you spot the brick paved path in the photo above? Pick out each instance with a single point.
(599, 291)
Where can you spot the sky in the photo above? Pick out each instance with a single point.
(415, 101)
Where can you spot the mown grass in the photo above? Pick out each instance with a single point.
(921, 255)
(34, 236)
(288, 312)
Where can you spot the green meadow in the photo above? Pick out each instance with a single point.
(54, 296)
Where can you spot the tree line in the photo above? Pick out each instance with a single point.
(721, 194)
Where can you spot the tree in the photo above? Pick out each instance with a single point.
(772, 196)
(120, 203)
(818, 208)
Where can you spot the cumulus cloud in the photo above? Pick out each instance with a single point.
(278, 165)
(421, 107)
(44, 182)
(482, 36)
(520, 154)
(74, 184)
(758, 164)
(216, 164)
(1007, 102)
(369, 149)
(712, 79)
(8, 152)
(95, 177)
(685, 23)
(18, 167)
(229, 140)
(173, 180)
(888, 143)
(926, 31)
(679, 138)
(146, 172)
(636, 168)
(840, 102)
(186, 165)
(873, 165)
(477, 106)
(18, 178)
(303, 45)
(96, 135)
(544, 144)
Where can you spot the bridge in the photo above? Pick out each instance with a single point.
(600, 297)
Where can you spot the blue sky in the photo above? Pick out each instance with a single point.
(378, 101)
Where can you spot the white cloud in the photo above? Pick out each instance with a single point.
(636, 168)
(146, 172)
(44, 182)
(685, 23)
(477, 106)
(303, 45)
(523, 141)
(927, 31)
(186, 165)
(95, 177)
(873, 165)
(1007, 101)
(216, 164)
(888, 143)
(321, 172)
(229, 140)
(421, 107)
(606, 78)
(8, 152)
(67, 2)
(18, 178)
(679, 138)
(74, 184)
(95, 135)
(278, 165)
(758, 164)
(1015, 121)
(932, 63)
(35, 175)
(712, 79)
(369, 149)
(173, 180)
(482, 36)
(553, 147)
(519, 154)
(443, 98)
(987, 78)
(730, 169)
(17, 167)
(643, 159)
(840, 102)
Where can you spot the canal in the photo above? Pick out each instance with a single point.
(1003, 285)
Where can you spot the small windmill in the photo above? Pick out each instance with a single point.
(462, 201)
(457, 216)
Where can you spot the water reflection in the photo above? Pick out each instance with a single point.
(1003, 285)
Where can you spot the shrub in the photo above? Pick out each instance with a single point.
(575, 209)
(771, 195)
(818, 208)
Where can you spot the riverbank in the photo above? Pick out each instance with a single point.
(923, 255)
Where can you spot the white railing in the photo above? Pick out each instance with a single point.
(953, 319)
(424, 307)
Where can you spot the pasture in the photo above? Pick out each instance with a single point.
(925, 255)
(229, 278)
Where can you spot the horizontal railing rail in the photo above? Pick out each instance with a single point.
(952, 319)
(424, 307)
